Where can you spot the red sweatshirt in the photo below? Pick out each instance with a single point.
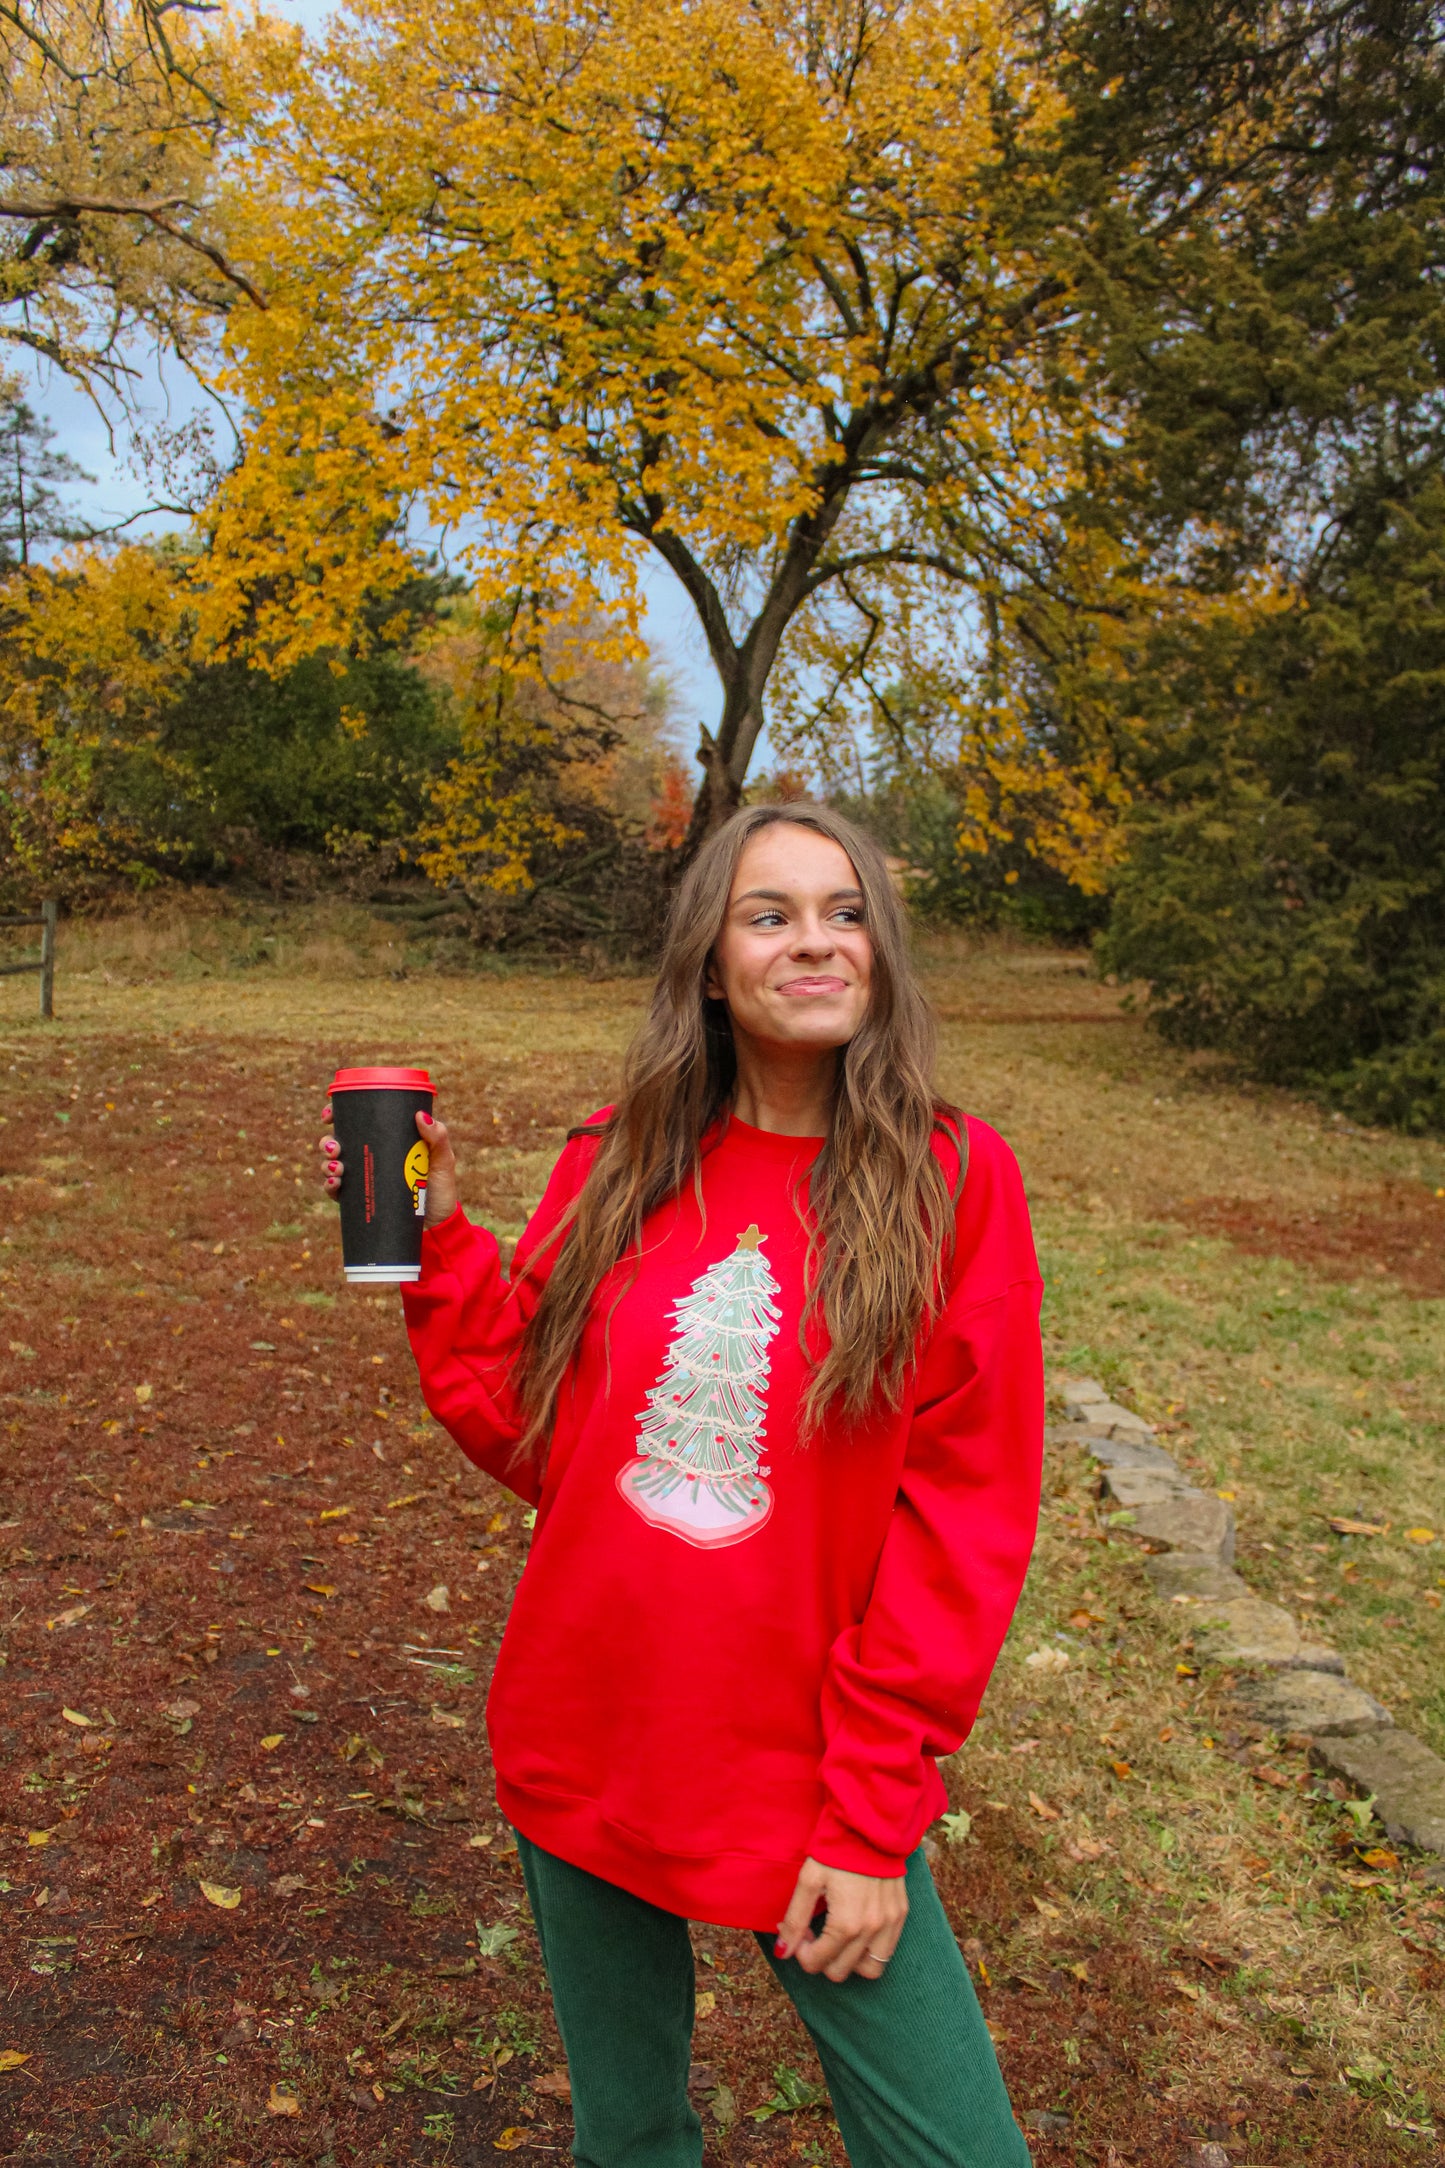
(728, 1650)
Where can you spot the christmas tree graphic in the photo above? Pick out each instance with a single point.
(697, 1472)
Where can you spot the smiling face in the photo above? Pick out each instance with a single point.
(794, 960)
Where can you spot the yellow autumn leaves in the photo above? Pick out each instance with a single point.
(110, 124)
(94, 652)
(537, 265)
(539, 268)
(762, 290)
(774, 295)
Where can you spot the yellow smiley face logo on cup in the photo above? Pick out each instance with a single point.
(418, 1160)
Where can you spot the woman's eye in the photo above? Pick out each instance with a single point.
(768, 918)
(849, 914)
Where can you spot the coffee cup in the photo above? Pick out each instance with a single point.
(383, 1187)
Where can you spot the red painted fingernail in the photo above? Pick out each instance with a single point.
(780, 1949)
(427, 1122)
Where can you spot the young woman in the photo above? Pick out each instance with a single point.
(768, 1366)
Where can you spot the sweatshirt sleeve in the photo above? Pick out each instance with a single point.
(905, 1685)
(465, 1318)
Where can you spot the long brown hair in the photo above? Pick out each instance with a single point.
(879, 1203)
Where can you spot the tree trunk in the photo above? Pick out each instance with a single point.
(744, 667)
(725, 761)
(717, 797)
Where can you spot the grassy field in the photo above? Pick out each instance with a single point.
(218, 1463)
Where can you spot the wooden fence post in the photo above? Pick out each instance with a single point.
(44, 963)
(49, 913)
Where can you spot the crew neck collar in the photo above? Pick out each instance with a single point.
(770, 1140)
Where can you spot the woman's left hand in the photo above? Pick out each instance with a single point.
(865, 1918)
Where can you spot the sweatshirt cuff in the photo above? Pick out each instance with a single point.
(834, 1844)
(447, 1241)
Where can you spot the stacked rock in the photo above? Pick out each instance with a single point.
(1300, 1685)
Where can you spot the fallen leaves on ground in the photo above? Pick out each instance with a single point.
(217, 1893)
(283, 2099)
(1080, 1849)
(491, 1941)
(792, 2094)
(1048, 1659)
(132, 1607)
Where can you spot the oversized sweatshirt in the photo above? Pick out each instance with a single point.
(732, 1648)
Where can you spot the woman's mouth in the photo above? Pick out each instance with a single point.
(827, 985)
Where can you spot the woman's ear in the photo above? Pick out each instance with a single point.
(712, 985)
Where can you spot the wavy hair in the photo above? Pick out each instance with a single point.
(879, 1205)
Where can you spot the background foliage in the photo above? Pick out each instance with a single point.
(135, 753)
(1282, 888)
(1042, 413)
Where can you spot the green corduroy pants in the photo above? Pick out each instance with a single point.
(910, 2066)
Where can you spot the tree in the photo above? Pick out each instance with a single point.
(129, 752)
(132, 751)
(1271, 316)
(1284, 889)
(320, 771)
(91, 658)
(110, 117)
(773, 292)
(699, 1469)
(556, 775)
(31, 513)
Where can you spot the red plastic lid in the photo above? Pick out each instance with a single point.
(381, 1080)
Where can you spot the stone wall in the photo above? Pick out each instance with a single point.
(1296, 1684)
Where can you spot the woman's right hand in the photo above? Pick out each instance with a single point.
(441, 1174)
(441, 1181)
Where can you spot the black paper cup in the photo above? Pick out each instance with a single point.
(383, 1188)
